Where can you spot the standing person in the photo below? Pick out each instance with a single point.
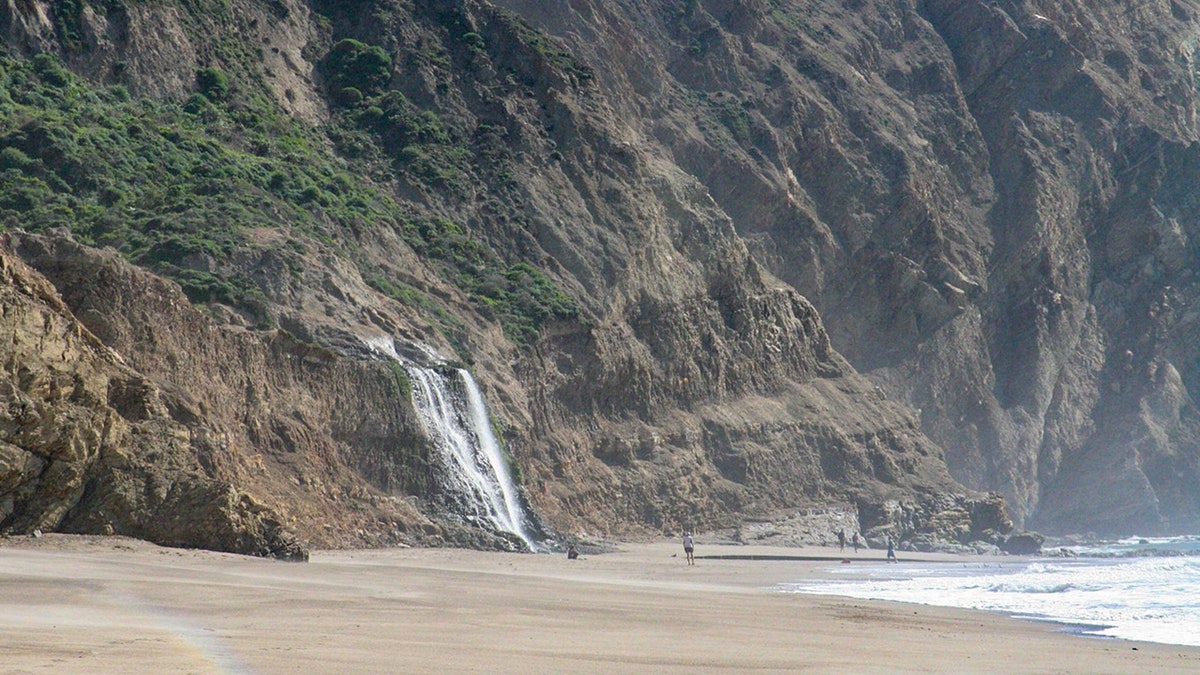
(841, 534)
(891, 550)
(688, 547)
(854, 541)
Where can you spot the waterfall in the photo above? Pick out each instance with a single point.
(454, 416)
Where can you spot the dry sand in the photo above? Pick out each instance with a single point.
(115, 605)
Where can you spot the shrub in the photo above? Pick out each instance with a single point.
(13, 158)
(351, 63)
(212, 83)
(311, 193)
(197, 104)
(50, 70)
(350, 96)
(277, 181)
(371, 117)
(474, 42)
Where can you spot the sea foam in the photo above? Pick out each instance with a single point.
(1119, 592)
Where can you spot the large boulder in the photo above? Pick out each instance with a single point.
(1023, 543)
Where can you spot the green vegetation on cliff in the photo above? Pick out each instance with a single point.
(179, 186)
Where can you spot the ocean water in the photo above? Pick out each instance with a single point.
(1137, 589)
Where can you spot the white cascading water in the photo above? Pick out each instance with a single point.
(459, 427)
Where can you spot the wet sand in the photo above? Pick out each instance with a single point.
(115, 605)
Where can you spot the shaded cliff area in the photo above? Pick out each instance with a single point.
(989, 204)
(712, 261)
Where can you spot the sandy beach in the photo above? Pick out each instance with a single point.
(115, 605)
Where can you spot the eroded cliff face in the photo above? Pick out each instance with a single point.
(978, 206)
(128, 410)
(985, 201)
(89, 445)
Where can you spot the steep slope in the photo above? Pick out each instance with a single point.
(617, 214)
(89, 445)
(985, 201)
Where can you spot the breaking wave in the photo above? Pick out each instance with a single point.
(1105, 591)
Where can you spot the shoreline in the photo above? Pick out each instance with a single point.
(110, 604)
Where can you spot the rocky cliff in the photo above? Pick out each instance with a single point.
(985, 202)
(711, 260)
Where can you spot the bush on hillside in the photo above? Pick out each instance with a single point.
(357, 65)
(212, 83)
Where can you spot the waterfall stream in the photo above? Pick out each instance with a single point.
(455, 417)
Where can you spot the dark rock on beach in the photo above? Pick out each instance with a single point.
(1023, 543)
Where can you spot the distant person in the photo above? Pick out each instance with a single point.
(688, 547)
(891, 551)
(854, 542)
(572, 552)
(841, 535)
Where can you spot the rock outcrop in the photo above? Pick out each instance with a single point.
(89, 445)
(128, 411)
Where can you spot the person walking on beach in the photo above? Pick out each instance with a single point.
(854, 542)
(841, 535)
(688, 547)
(891, 550)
